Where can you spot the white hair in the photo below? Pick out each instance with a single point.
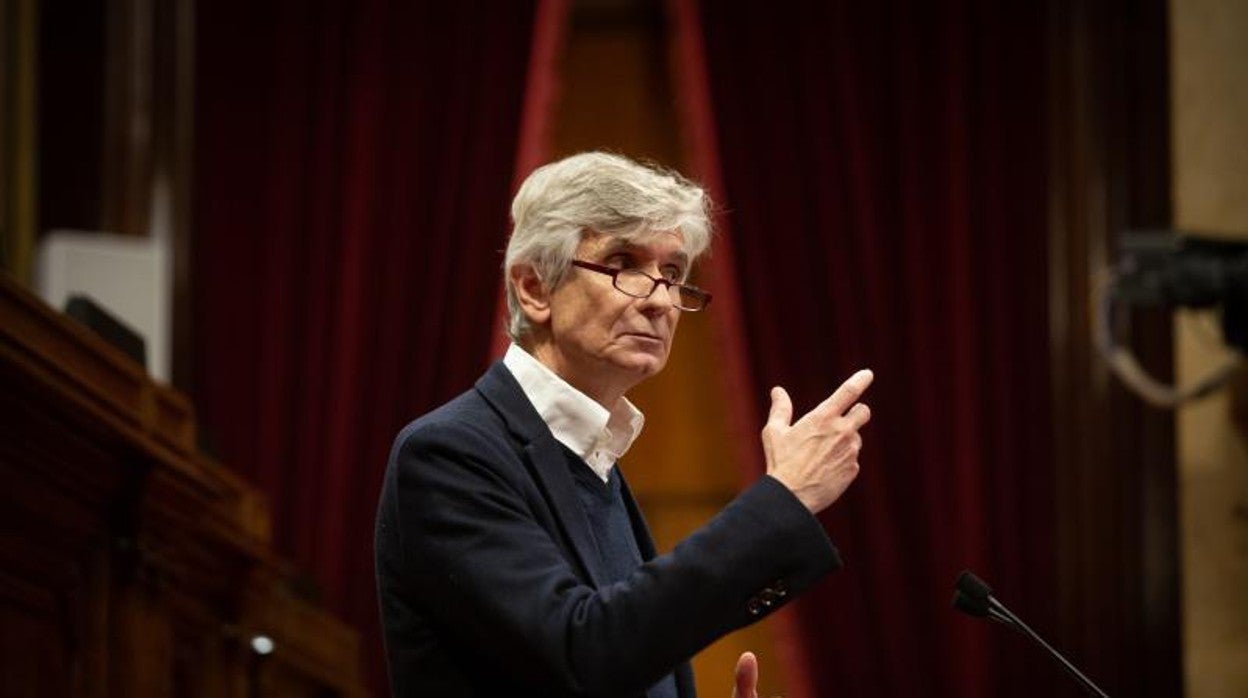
(602, 192)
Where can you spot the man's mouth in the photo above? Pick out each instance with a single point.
(644, 335)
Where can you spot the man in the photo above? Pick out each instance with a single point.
(511, 557)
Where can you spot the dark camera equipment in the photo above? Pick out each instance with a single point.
(1164, 268)
(1169, 269)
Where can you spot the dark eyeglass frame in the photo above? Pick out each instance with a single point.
(615, 281)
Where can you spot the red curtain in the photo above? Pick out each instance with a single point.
(883, 170)
(354, 164)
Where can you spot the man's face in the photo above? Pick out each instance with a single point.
(602, 340)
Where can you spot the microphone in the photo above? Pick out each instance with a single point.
(971, 595)
(977, 608)
(974, 597)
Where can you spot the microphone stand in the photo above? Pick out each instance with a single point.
(973, 597)
(1091, 688)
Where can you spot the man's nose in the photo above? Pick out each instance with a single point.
(660, 298)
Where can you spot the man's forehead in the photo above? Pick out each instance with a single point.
(663, 242)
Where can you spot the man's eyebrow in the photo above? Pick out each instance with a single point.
(618, 246)
(615, 246)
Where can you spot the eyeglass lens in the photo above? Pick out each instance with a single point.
(636, 283)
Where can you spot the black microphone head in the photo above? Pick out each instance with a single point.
(970, 606)
(973, 586)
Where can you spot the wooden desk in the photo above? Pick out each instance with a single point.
(131, 564)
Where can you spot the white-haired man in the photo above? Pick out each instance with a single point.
(511, 557)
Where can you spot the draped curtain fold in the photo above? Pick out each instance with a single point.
(354, 163)
(883, 168)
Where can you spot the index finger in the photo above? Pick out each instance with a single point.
(848, 393)
(746, 677)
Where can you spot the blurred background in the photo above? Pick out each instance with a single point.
(288, 217)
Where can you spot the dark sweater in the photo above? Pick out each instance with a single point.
(613, 532)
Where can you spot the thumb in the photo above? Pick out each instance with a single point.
(745, 684)
(781, 413)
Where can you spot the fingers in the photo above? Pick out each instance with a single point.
(745, 684)
(847, 394)
(781, 414)
(858, 415)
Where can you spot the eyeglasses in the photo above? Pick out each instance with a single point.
(639, 284)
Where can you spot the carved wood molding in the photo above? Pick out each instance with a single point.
(143, 567)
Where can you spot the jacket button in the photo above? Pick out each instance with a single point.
(781, 589)
(754, 606)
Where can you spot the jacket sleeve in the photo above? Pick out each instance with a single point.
(479, 555)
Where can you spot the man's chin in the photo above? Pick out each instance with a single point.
(643, 364)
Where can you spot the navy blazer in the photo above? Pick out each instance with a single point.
(487, 572)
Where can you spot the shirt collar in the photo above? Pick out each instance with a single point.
(600, 437)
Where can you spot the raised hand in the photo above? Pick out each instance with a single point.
(817, 456)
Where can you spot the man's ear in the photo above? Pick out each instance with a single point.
(532, 293)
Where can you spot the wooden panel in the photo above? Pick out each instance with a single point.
(35, 655)
(129, 563)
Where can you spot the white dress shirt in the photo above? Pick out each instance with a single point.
(600, 437)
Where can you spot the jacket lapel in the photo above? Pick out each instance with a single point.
(546, 459)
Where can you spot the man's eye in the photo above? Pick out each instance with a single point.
(672, 273)
(620, 261)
